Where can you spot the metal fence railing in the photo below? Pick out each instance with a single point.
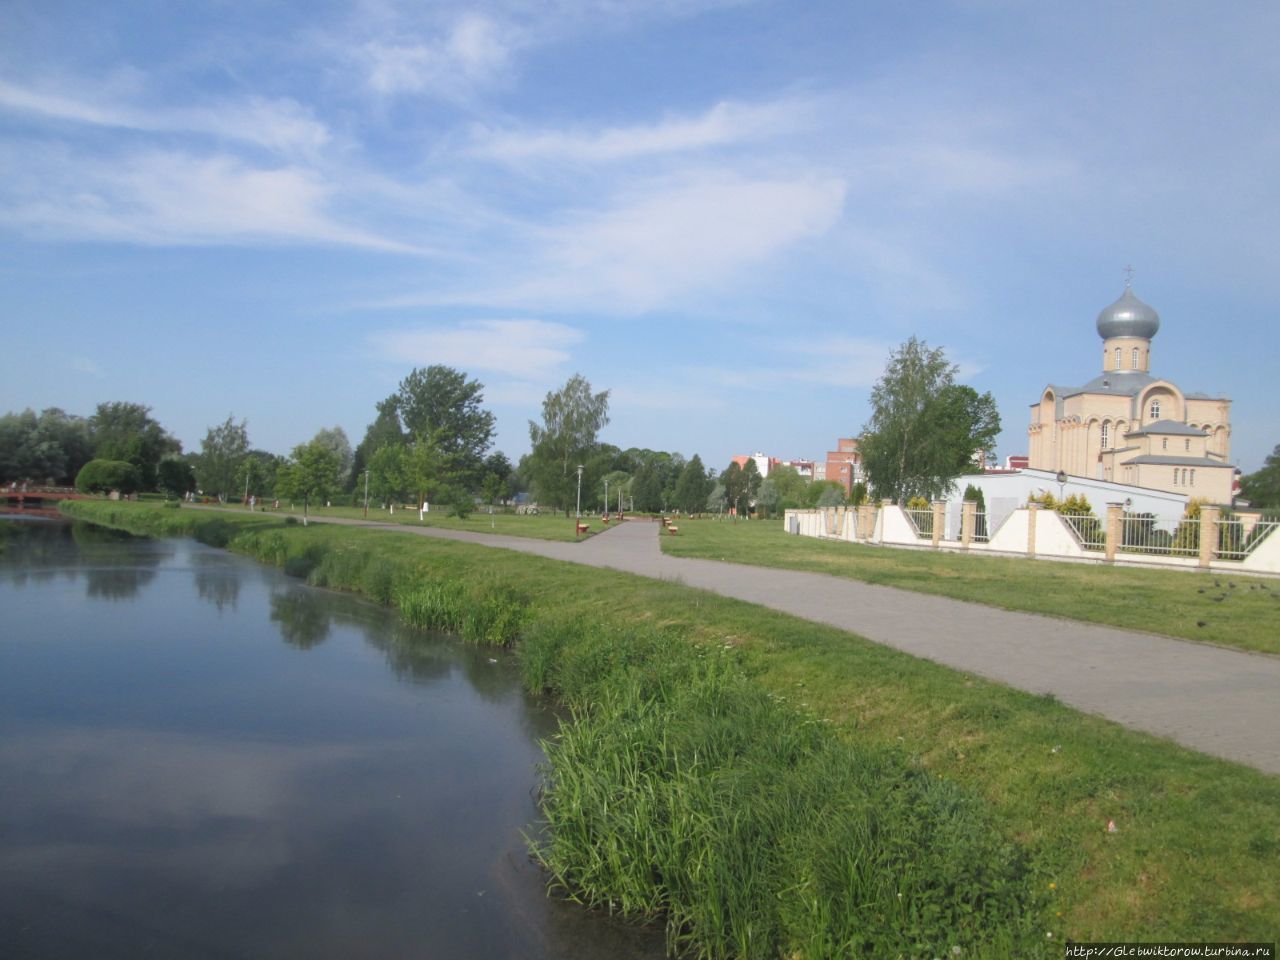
(981, 533)
(1146, 533)
(922, 520)
(1236, 540)
(1089, 530)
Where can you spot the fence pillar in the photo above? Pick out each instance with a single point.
(939, 520)
(1208, 535)
(1032, 510)
(884, 505)
(968, 521)
(1115, 529)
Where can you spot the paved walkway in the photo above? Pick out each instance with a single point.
(1219, 701)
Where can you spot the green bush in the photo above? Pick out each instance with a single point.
(101, 476)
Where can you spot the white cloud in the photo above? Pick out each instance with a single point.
(169, 197)
(472, 52)
(526, 349)
(279, 124)
(725, 123)
(679, 238)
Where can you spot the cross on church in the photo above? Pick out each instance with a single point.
(1128, 275)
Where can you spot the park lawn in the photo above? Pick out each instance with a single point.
(542, 526)
(1230, 610)
(1196, 851)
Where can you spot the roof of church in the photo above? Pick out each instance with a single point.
(1168, 428)
(1179, 461)
(1128, 317)
(1119, 383)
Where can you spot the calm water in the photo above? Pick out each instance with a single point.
(200, 757)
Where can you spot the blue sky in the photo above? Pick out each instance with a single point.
(727, 213)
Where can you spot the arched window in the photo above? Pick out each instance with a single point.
(1155, 409)
(1106, 435)
(1176, 472)
(1134, 365)
(1193, 478)
(1117, 358)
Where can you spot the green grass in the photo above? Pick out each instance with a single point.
(1196, 855)
(544, 526)
(1236, 611)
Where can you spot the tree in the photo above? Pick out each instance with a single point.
(175, 477)
(646, 490)
(692, 487)
(442, 404)
(571, 418)
(388, 474)
(312, 471)
(924, 428)
(126, 431)
(768, 496)
(335, 439)
(99, 476)
(220, 465)
(384, 430)
(1262, 487)
(788, 484)
(751, 480)
(734, 481)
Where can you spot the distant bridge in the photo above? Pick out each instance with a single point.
(39, 498)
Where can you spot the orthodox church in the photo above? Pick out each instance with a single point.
(1129, 427)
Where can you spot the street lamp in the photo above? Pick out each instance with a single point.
(1062, 484)
(606, 494)
(366, 493)
(579, 491)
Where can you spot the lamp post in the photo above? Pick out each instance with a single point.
(606, 494)
(579, 491)
(366, 493)
(1062, 484)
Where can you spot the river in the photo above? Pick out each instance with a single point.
(200, 757)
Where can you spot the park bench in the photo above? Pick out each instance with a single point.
(672, 529)
(581, 528)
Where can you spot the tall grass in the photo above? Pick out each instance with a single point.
(679, 789)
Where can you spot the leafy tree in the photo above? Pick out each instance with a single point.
(175, 476)
(388, 474)
(716, 499)
(100, 476)
(127, 431)
(735, 482)
(752, 479)
(384, 430)
(51, 447)
(312, 472)
(335, 439)
(1262, 487)
(832, 495)
(220, 464)
(768, 498)
(615, 482)
(646, 489)
(442, 404)
(924, 428)
(858, 496)
(788, 484)
(692, 487)
(571, 418)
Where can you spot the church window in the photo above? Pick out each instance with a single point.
(1176, 474)
(1106, 435)
(1155, 409)
(1117, 358)
(1186, 444)
(1164, 443)
(1193, 478)
(1135, 358)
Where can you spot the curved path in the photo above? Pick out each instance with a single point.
(1212, 699)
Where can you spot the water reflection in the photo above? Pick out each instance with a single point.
(179, 782)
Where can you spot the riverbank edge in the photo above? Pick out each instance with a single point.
(1190, 858)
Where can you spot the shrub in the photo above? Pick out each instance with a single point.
(100, 476)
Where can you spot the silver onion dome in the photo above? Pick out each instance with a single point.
(1128, 317)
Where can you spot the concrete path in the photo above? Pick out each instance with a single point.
(1219, 701)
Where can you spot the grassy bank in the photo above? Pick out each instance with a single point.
(543, 526)
(1241, 612)
(1196, 853)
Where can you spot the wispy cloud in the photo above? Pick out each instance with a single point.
(674, 238)
(278, 124)
(528, 349)
(160, 197)
(471, 52)
(723, 124)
